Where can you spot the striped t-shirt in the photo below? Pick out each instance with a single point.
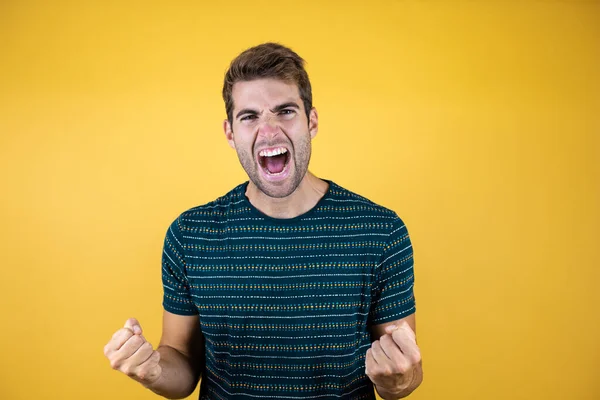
(285, 305)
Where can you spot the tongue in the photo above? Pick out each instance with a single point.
(275, 164)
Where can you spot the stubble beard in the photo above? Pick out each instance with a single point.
(300, 159)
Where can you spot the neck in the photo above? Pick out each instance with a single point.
(304, 198)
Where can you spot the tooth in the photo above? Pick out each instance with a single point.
(274, 152)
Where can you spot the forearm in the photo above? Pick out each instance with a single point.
(401, 392)
(179, 375)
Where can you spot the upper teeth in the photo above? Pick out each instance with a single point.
(274, 152)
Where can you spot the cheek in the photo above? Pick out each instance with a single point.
(242, 137)
(296, 130)
(297, 123)
(244, 147)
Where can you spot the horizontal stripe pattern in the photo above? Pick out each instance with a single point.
(285, 306)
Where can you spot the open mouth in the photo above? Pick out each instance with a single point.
(274, 161)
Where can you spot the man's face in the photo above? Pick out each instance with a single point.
(271, 134)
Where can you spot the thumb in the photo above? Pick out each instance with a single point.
(391, 328)
(134, 326)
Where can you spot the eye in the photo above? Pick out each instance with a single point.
(249, 117)
(287, 113)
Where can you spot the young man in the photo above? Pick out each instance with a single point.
(289, 286)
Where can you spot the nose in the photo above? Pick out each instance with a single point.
(268, 128)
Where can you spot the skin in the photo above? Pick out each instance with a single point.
(173, 369)
(267, 113)
(259, 122)
(393, 363)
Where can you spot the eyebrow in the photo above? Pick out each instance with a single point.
(283, 106)
(277, 108)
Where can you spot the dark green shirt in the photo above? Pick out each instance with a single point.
(285, 305)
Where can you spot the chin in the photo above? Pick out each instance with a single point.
(276, 192)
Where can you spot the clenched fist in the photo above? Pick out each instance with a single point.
(392, 361)
(129, 352)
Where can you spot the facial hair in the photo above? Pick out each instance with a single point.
(300, 159)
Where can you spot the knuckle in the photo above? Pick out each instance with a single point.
(127, 370)
(399, 367)
(403, 367)
(147, 346)
(123, 332)
(136, 341)
(416, 358)
(115, 363)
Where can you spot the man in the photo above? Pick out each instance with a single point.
(289, 286)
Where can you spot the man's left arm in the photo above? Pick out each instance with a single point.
(393, 363)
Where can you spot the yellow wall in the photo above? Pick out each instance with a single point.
(478, 122)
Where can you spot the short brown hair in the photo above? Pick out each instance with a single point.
(267, 60)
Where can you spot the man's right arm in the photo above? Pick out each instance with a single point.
(173, 369)
(181, 351)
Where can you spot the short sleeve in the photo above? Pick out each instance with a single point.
(177, 298)
(393, 296)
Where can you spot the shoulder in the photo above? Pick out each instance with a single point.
(231, 199)
(206, 214)
(344, 199)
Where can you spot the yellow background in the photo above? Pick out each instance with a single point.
(477, 121)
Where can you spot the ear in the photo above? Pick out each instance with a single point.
(313, 123)
(228, 130)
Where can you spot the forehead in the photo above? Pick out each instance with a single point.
(264, 93)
